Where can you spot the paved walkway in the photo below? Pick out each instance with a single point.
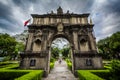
(60, 72)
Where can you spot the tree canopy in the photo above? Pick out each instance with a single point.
(110, 46)
(9, 46)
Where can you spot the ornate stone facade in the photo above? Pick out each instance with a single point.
(76, 28)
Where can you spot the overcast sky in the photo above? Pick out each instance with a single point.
(105, 13)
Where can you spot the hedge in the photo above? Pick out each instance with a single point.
(34, 75)
(105, 74)
(69, 64)
(11, 74)
(10, 66)
(51, 65)
(21, 74)
(8, 72)
(88, 74)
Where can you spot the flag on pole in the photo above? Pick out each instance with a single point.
(26, 22)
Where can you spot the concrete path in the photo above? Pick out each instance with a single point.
(60, 72)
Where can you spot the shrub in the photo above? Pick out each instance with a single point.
(115, 70)
(21, 74)
(7, 58)
(52, 60)
(107, 64)
(11, 74)
(4, 64)
(8, 73)
(105, 74)
(34, 75)
(107, 67)
(51, 65)
(88, 74)
(69, 64)
(10, 66)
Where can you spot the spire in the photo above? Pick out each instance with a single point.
(90, 21)
(59, 10)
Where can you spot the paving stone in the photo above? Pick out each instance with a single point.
(60, 72)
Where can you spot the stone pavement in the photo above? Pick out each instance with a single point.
(60, 72)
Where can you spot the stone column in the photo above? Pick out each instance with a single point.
(29, 41)
(75, 39)
(93, 44)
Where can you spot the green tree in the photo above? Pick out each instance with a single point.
(65, 52)
(55, 52)
(110, 47)
(115, 44)
(9, 46)
(103, 48)
(18, 48)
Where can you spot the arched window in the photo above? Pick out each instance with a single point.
(32, 62)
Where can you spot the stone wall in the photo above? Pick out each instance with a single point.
(81, 63)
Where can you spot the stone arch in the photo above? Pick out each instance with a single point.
(41, 35)
(53, 37)
(68, 38)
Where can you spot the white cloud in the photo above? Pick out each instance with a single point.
(105, 23)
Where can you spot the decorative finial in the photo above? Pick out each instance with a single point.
(90, 21)
(52, 12)
(67, 11)
(59, 10)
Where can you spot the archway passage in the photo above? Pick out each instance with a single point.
(76, 28)
(60, 48)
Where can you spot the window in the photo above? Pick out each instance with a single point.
(88, 62)
(32, 62)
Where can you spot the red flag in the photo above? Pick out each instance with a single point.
(26, 22)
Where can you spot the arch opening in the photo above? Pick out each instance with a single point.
(61, 49)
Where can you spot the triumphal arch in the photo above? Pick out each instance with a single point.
(76, 28)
